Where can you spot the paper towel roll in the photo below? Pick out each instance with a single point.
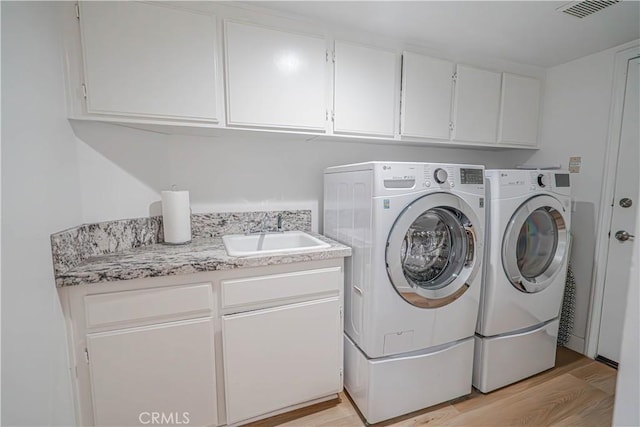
(176, 216)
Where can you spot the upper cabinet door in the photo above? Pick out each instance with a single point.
(365, 90)
(520, 110)
(427, 89)
(150, 60)
(476, 105)
(275, 78)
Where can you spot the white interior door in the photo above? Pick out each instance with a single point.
(622, 221)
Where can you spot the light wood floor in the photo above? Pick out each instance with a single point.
(577, 392)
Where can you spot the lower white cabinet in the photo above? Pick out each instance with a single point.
(281, 356)
(162, 371)
(155, 351)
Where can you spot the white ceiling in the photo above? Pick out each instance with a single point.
(525, 32)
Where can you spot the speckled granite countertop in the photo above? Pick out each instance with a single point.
(203, 254)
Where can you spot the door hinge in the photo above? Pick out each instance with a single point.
(341, 374)
(451, 126)
(333, 116)
(341, 314)
(326, 55)
(84, 90)
(86, 355)
(333, 56)
(77, 11)
(454, 76)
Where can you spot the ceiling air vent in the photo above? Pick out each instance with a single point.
(580, 9)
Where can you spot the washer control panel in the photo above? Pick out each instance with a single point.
(440, 175)
(444, 176)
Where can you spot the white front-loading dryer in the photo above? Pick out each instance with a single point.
(412, 286)
(529, 219)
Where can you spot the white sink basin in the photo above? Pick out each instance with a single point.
(264, 244)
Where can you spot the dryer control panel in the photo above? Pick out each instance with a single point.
(516, 182)
(557, 182)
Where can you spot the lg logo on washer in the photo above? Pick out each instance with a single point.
(509, 179)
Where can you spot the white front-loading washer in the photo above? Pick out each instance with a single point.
(412, 286)
(529, 216)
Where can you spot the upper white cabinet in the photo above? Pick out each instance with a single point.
(149, 60)
(476, 105)
(427, 89)
(519, 114)
(185, 67)
(365, 90)
(275, 78)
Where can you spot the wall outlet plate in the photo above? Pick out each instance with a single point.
(574, 164)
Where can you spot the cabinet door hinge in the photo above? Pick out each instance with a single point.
(341, 312)
(86, 355)
(341, 374)
(84, 90)
(454, 76)
(333, 56)
(451, 126)
(333, 116)
(77, 11)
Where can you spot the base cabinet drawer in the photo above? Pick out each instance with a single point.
(164, 373)
(282, 356)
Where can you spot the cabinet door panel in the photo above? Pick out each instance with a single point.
(149, 60)
(427, 89)
(282, 356)
(364, 90)
(167, 368)
(520, 109)
(476, 105)
(275, 78)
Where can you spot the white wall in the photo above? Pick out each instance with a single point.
(40, 195)
(576, 123)
(123, 170)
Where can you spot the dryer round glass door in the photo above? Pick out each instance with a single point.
(432, 250)
(535, 244)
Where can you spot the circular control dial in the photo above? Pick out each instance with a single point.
(440, 175)
(542, 180)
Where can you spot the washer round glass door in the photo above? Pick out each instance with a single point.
(535, 244)
(431, 253)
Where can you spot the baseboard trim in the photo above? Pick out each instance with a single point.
(576, 344)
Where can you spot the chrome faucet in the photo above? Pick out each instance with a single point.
(264, 226)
